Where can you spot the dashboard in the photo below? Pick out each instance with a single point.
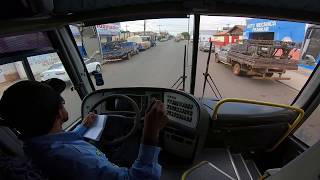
(181, 109)
(187, 123)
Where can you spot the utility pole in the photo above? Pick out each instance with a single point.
(126, 31)
(126, 34)
(144, 27)
(159, 28)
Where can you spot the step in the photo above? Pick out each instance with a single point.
(241, 167)
(254, 171)
(219, 157)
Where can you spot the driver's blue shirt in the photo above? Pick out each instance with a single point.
(66, 155)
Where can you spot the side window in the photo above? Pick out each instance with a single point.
(47, 66)
(11, 73)
(309, 131)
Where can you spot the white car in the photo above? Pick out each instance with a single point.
(57, 70)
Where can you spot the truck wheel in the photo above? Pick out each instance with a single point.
(236, 69)
(98, 68)
(128, 56)
(216, 58)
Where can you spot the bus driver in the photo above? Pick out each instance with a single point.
(37, 111)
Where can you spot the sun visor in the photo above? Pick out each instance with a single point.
(63, 6)
(15, 9)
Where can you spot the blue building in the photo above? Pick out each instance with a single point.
(266, 29)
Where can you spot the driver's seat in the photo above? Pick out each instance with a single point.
(13, 162)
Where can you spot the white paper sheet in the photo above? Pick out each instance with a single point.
(96, 129)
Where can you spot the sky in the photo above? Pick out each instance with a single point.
(178, 25)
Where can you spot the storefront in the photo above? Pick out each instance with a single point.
(105, 31)
(265, 29)
(230, 36)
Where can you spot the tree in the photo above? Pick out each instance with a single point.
(185, 35)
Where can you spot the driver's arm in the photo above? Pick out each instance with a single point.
(146, 165)
(85, 124)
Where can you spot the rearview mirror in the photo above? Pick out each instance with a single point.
(98, 78)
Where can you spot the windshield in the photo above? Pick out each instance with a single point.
(145, 38)
(287, 58)
(155, 59)
(251, 58)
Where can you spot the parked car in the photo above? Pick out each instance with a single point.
(57, 70)
(113, 51)
(153, 42)
(177, 39)
(143, 41)
(222, 53)
(205, 47)
(131, 47)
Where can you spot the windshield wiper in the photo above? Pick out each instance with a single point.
(210, 81)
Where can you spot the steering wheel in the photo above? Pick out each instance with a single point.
(117, 114)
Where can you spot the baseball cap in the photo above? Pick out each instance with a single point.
(30, 106)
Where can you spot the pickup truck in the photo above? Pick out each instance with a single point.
(113, 51)
(131, 47)
(260, 59)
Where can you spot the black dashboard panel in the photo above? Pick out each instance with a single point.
(249, 113)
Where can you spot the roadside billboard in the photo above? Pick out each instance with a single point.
(280, 30)
(112, 29)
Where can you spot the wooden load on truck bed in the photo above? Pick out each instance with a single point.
(262, 58)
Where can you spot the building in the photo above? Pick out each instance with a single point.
(122, 36)
(224, 37)
(205, 35)
(266, 29)
(105, 31)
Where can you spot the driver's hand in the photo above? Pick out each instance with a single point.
(154, 121)
(89, 119)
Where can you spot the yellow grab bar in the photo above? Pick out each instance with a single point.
(291, 126)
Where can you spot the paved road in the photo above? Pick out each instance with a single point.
(242, 87)
(162, 65)
(159, 66)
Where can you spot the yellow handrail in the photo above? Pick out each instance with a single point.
(291, 126)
